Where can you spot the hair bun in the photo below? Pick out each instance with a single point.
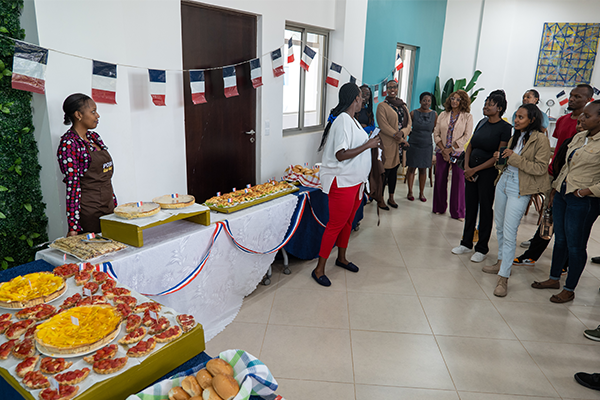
(67, 120)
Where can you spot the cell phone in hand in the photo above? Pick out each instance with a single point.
(474, 178)
(502, 160)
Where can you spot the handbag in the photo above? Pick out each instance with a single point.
(460, 161)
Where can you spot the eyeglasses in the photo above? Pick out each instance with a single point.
(454, 98)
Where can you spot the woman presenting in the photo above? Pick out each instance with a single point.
(452, 131)
(344, 171)
(88, 168)
(575, 205)
(394, 121)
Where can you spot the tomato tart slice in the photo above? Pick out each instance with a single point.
(82, 277)
(117, 291)
(24, 349)
(129, 300)
(35, 380)
(124, 310)
(30, 332)
(100, 276)
(133, 337)
(72, 377)
(46, 312)
(169, 335)
(105, 353)
(5, 317)
(28, 312)
(149, 319)
(142, 349)
(64, 392)
(150, 305)
(51, 365)
(108, 285)
(159, 326)
(66, 270)
(4, 326)
(91, 286)
(6, 348)
(186, 321)
(16, 329)
(71, 301)
(92, 300)
(133, 322)
(26, 366)
(104, 367)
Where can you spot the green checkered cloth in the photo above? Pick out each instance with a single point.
(254, 378)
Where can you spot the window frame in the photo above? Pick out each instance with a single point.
(305, 30)
(401, 47)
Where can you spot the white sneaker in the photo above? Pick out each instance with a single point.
(478, 257)
(461, 250)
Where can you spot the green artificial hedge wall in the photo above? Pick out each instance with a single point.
(22, 218)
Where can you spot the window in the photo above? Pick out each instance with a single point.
(404, 77)
(304, 92)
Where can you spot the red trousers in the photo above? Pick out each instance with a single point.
(343, 203)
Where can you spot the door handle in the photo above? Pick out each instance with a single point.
(251, 132)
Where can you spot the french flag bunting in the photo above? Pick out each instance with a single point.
(333, 77)
(352, 79)
(596, 90)
(376, 94)
(277, 61)
(256, 73)
(384, 88)
(307, 56)
(230, 81)
(290, 51)
(29, 68)
(104, 82)
(562, 98)
(399, 64)
(197, 86)
(158, 86)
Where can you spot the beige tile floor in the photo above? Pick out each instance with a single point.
(417, 322)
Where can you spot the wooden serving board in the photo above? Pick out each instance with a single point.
(242, 206)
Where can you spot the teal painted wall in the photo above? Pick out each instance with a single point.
(418, 23)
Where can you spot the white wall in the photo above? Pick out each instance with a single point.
(509, 45)
(146, 142)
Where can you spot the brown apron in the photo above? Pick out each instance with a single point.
(96, 191)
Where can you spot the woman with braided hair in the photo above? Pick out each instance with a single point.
(344, 171)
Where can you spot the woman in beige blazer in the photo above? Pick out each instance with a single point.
(395, 124)
(452, 132)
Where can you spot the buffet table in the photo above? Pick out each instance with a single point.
(197, 269)
(138, 373)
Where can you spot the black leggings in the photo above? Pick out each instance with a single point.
(390, 177)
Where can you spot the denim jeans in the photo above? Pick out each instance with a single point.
(509, 210)
(573, 220)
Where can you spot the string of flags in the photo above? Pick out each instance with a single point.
(30, 61)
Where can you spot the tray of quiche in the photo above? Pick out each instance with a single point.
(85, 248)
(250, 196)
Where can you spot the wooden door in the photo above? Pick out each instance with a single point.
(220, 155)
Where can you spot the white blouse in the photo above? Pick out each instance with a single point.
(345, 134)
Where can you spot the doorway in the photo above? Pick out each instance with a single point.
(220, 134)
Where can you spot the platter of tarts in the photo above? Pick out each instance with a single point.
(85, 249)
(248, 197)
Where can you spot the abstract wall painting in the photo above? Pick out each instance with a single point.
(567, 54)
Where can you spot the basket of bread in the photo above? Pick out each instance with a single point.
(234, 375)
(303, 175)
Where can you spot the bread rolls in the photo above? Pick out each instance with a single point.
(177, 393)
(225, 386)
(196, 398)
(191, 386)
(204, 378)
(210, 394)
(219, 366)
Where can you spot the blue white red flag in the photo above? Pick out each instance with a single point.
(29, 68)
(158, 86)
(333, 77)
(290, 51)
(376, 94)
(256, 73)
(308, 56)
(90, 236)
(104, 82)
(596, 90)
(230, 81)
(399, 63)
(277, 61)
(352, 79)
(139, 204)
(197, 86)
(384, 88)
(562, 98)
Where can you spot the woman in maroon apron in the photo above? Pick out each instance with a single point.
(88, 168)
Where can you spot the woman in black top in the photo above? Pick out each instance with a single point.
(490, 134)
(365, 116)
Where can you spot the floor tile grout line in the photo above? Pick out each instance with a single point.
(350, 335)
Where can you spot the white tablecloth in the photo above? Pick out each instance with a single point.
(173, 250)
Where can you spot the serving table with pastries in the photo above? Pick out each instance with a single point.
(34, 361)
(205, 271)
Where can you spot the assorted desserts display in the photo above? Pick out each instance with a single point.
(83, 248)
(250, 195)
(47, 346)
